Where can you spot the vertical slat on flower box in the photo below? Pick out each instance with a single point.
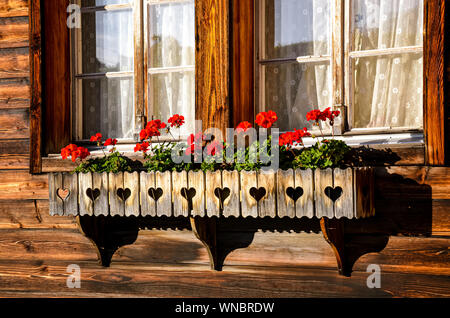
(249, 204)
(213, 203)
(131, 184)
(163, 181)
(86, 189)
(101, 204)
(304, 179)
(343, 207)
(148, 203)
(363, 187)
(232, 204)
(70, 182)
(196, 181)
(180, 203)
(324, 204)
(56, 204)
(267, 205)
(285, 203)
(116, 204)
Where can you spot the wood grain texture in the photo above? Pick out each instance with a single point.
(101, 204)
(86, 186)
(344, 206)
(212, 63)
(14, 63)
(131, 182)
(231, 205)
(148, 204)
(14, 93)
(14, 31)
(435, 120)
(213, 181)
(323, 178)
(305, 204)
(116, 205)
(267, 206)
(14, 123)
(164, 204)
(197, 182)
(285, 204)
(180, 204)
(248, 180)
(14, 8)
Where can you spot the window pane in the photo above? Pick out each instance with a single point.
(173, 93)
(107, 41)
(172, 34)
(381, 24)
(296, 28)
(108, 107)
(388, 91)
(94, 3)
(292, 90)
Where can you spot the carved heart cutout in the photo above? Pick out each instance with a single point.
(155, 194)
(333, 193)
(258, 194)
(222, 195)
(294, 194)
(123, 194)
(188, 194)
(63, 193)
(93, 194)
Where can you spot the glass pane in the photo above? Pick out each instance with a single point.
(173, 93)
(107, 41)
(94, 3)
(296, 28)
(387, 91)
(108, 107)
(381, 24)
(292, 90)
(172, 34)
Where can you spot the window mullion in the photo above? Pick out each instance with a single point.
(337, 62)
(139, 71)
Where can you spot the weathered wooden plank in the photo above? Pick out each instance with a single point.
(214, 193)
(14, 123)
(14, 93)
(163, 181)
(87, 193)
(304, 179)
(181, 206)
(197, 181)
(285, 201)
(70, 182)
(21, 185)
(14, 63)
(101, 204)
(248, 202)
(56, 205)
(364, 192)
(344, 206)
(232, 204)
(131, 183)
(14, 32)
(116, 204)
(324, 204)
(14, 8)
(148, 194)
(267, 205)
(14, 162)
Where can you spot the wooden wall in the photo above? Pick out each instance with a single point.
(35, 249)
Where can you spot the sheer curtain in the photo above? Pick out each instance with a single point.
(388, 89)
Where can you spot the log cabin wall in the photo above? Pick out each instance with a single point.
(35, 249)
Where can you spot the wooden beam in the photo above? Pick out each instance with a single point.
(35, 86)
(212, 59)
(435, 121)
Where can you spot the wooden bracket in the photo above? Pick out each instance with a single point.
(348, 248)
(205, 229)
(108, 234)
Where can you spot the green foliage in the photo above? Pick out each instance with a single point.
(161, 160)
(325, 154)
(114, 163)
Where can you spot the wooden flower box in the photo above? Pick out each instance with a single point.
(331, 193)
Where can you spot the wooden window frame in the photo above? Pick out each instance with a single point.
(224, 73)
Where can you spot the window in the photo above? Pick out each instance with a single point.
(364, 54)
(132, 61)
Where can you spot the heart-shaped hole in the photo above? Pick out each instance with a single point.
(93, 194)
(333, 193)
(222, 195)
(123, 194)
(155, 194)
(294, 194)
(258, 193)
(188, 194)
(63, 194)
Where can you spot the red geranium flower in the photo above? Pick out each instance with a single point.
(97, 137)
(142, 147)
(75, 152)
(213, 148)
(110, 142)
(266, 119)
(243, 127)
(176, 121)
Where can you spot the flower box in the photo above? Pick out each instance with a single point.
(332, 193)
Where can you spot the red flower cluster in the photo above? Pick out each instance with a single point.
(176, 121)
(142, 147)
(243, 127)
(97, 137)
(152, 129)
(266, 119)
(214, 147)
(194, 140)
(288, 139)
(110, 142)
(316, 115)
(75, 152)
